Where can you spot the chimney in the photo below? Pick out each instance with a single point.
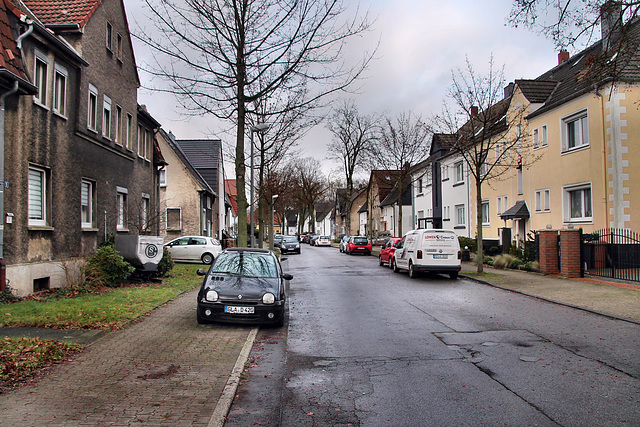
(474, 111)
(563, 56)
(508, 90)
(610, 23)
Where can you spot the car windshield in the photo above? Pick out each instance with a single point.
(324, 237)
(360, 240)
(246, 264)
(290, 239)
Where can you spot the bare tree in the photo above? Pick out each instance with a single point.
(353, 135)
(225, 56)
(311, 186)
(571, 22)
(400, 143)
(488, 134)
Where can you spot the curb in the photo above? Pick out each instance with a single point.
(223, 406)
(588, 310)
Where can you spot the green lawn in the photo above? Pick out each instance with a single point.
(108, 310)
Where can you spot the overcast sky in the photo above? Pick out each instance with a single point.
(421, 42)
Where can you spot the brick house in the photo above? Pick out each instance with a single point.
(185, 197)
(81, 160)
(205, 155)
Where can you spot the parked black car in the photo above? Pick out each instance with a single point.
(243, 285)
(290, 244)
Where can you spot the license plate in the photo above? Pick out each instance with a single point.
(232, 309)
(440, 256)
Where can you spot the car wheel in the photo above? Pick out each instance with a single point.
(380, 260)
(207, 259)
(390, 262)
(412, 273)
(453, 275)
(395, 267)
(201, 320)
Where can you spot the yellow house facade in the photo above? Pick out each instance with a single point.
(580, 150)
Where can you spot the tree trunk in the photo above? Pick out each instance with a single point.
(240, 177)
(401, 190)
(479, 251)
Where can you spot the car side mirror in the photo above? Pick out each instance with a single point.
(287, 276)
(201, 272)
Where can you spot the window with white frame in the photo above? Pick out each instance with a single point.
(92, 110)
(129, 132)
(486, 219)
(118, 135)
(444, 175)
(86, 204)
(543, 200)
(37, 196)
(502, 204)
(460, 215)
(162, 177)
(40, 77)
(174, 219)
(144, 211)
(140, 140)
(420, 186)
(575, 131)
(459, 170)
(121, 208)
(60, 90)
(577, 203)
(147, 144)
(540, 137)
(106, 117)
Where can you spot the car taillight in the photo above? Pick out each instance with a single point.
(459, 255)
(419, 254)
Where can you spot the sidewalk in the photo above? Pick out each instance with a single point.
(163, 370)
(617, 299)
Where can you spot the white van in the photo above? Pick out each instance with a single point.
(433, 250)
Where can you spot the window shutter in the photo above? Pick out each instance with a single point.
(35, 195)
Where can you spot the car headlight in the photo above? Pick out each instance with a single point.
(211, 296)
(297, 246)
(268, 298)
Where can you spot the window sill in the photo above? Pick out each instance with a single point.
(575, 149)
(40, 228)
(88, 229)
(122, 230)
(458, 184)
(40, 104)
(58, 114)
(459, 227)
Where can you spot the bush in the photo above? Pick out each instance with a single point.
(494, 250)
(166, 263)
(7, 297)
(516, 251)
(107, 268)
(516, 263)
(502, 261)
(467, 241)
(531, 266)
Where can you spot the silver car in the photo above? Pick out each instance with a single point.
(194, 249)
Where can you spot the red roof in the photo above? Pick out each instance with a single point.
(63, 11)
(232, 193)
(9, 54)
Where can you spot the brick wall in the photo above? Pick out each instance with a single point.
(570, 253)
(549, 251)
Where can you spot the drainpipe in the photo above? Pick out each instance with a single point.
(3, 266)
(604, 155)
(25, 34)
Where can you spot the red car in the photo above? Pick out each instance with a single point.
(387, 251)
(359, 244)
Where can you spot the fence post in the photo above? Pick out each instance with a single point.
(548, 251)
(570, 262)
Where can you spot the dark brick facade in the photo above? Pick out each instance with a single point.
(68, 152)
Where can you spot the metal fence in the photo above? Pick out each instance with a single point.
(611, 253)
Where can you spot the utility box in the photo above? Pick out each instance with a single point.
(142, 252)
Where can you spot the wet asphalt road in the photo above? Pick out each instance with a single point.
(367, 347)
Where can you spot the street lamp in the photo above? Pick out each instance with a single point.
(261, 128)
(272, 229)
